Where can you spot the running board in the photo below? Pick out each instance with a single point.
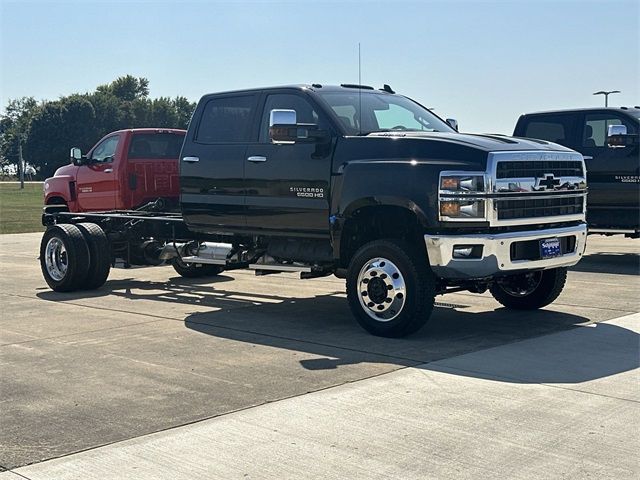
(254, 266)
(279, 268)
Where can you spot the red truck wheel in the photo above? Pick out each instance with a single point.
(64, 258)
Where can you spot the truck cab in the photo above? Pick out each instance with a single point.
(613, 167)
(125, 170)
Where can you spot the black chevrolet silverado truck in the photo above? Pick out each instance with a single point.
(364, 184)
(608, 139)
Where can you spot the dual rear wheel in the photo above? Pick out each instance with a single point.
(75, 257)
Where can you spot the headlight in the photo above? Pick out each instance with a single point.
(462, 183)
(454, 209)
(459, 192)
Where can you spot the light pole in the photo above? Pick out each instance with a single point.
(606, 95)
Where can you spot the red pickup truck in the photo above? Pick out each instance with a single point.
(125, 170)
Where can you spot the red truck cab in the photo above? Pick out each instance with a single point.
(123, 171)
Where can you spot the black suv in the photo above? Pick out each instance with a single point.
(608, 140)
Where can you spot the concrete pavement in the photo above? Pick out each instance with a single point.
(496, 413)
(152, 352)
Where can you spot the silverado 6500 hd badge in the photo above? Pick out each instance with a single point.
(307, 192)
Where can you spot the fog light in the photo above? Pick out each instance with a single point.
(467, 251)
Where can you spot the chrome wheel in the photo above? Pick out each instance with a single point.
(56, 259)
(382, 289)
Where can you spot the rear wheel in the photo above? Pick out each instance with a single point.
(390, 288)
(99, 255)
(195, 270)
(530, 291)
(64, 258)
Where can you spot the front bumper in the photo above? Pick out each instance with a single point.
(497, 253)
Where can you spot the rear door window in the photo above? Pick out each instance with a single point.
(553, 128)
(164, 146)
(227, 120)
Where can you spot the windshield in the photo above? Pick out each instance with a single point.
(381, 112)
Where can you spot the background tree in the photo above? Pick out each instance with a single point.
(51, 128)
(127, 88)
(14, 127)
(55, 128)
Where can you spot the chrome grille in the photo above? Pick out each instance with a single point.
(530, 187)
(539, 168)
(538, 207)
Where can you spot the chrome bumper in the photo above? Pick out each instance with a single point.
(496, 253)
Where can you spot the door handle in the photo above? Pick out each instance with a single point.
(257, 158)
(587, 157)
(108, 170)
(190, 159)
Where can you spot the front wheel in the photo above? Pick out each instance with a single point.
(530, 291)
(390, 288)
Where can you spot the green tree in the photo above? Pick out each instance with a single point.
(58, 126)
(163, 113)
(184, 110)
(14, 127)
(127, 88)
(50, 128)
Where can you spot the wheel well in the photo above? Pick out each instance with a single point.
(376, 222)
(56, 201)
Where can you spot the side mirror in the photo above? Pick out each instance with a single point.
(617, 136)
(283, 128)
(453, 123)
(76, 156)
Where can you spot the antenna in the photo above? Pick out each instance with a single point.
(359, 91)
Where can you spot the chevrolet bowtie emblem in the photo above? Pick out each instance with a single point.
(549, 182)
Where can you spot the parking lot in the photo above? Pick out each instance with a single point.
(157, 376)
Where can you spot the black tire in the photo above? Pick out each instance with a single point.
(195, 270)
(369, 276)
(64, 258)
(530, 291)
(99, 255)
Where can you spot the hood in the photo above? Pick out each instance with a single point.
(65, 170)
(486, 142)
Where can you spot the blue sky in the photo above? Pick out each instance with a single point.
(482, 62)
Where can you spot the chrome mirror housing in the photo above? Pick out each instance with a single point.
(282, 117)
(616, 130)
(617, 136)
(283, 126)
(76, 156)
